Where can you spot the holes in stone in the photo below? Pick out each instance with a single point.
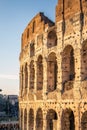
(84, 59)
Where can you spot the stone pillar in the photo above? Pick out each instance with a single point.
(28, 79)
(59, 77)
(77, 83)
(23, 94)
(35, 80)
(27, 85)
(77, 117)
(44, 78)
(59, 120)
(44, 121)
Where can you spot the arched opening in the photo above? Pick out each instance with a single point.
(39, 120)
(31, 119)
(33, 27)
(32, 75)
(68, 121)
(25, 119)
(51, 39)
(51, 120)
(27, 33)
(68, 68)
(32, 49)
(84, 121)
(40, 73)
(26, 78)
(84, 62)
(51, 72)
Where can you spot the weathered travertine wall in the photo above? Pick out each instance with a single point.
(53, 70)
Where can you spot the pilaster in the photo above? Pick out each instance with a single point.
(44, 121)
(59, 116)
(23, 93)
(35, 80)
(45, 78)
(77, 83)
(28, 79)
(77, 116)
(59, 77)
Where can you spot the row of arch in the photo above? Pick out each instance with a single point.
(51, 41)
(67, 120)
(68, 69)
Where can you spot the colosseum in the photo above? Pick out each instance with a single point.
(53, 70)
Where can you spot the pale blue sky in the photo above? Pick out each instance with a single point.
(14, 17)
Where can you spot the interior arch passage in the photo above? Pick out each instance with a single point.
(32, 75)
(51, 120)
(39, 120)
(67, 120)
(40, 73)
(52, 72)
(84, 121)
(25, 119)
(31, 119)
(51, 39)
(68, 67)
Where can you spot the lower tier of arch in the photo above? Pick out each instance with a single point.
(53, 115)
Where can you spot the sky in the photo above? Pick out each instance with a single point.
(14, 17)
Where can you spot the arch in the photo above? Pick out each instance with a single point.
(67, 120)
(33, 26)
(40, 73)
(51, 39)
(26, 76)
(32, 49)
(28, 33)
(32, 75)
(25, 119)
(31, 119)
(51, 119)
(51, 72)
(84, 121)
(68, 67)
(39, 119)
(84, 61)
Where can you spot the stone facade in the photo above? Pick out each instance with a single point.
(53, 70)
